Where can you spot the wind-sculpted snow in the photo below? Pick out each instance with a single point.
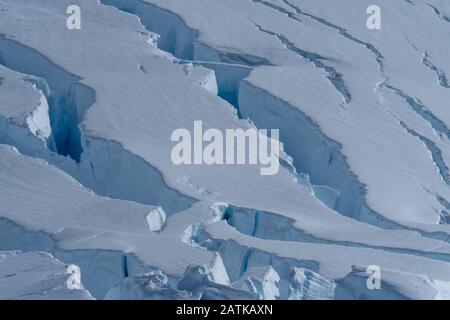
(442, 78)
(364, 177)
(37, 275)
(242, 252)
(93, 232)
(356, 45)
(397, 285)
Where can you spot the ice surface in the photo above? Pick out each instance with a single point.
(395, 285)
(155, 219)
(356, 135)
(308, 285)
(38, 275)
(148, 286)
(76, 219)
(365, 161)
(261, 281)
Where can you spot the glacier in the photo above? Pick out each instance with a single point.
(86, 178)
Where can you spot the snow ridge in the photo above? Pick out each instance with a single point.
(364, 180)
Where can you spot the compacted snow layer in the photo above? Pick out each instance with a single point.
(108, 239)
(69, 101)
(364, 181)
(299, 54)
(38, 275)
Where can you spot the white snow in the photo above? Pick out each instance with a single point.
(155, 219)
(38, 276)
(148, 286)
(308, 285)
(77, 219)
(86, 175)
(371, 66)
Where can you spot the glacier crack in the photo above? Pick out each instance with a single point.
(335, 78)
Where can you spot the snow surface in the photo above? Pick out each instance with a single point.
(86, 118)
(37, 276)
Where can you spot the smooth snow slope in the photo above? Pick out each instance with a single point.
(360, 112)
